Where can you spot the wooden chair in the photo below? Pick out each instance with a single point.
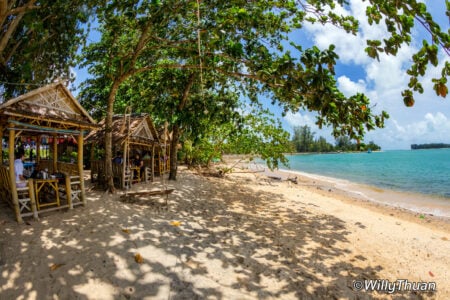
(148, 174)
(71, 190)
(124, 181)
(25, 195)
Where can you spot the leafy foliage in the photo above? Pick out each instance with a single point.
(39, 41)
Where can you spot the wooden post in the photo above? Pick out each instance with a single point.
(32, 198)
(124, 163)
(12, 175)
(1, 145)
(153, 161)
(91, 160)
(55, 154)
(80, 166)
(69, 190)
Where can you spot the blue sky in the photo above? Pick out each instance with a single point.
(426, 122)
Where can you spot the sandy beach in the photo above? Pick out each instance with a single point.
(244, 236)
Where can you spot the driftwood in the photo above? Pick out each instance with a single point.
(148, 193)
(293, 180)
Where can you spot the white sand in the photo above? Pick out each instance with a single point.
(241, 237)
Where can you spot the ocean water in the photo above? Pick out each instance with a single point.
(414, 171)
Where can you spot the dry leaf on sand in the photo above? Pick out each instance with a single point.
(55, 266)
(138, 258)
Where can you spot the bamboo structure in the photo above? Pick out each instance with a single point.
(131, 133)
(50, 111)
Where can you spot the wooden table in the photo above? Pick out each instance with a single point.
(48, 185)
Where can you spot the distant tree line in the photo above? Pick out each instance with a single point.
(429, 146)
(303, 141)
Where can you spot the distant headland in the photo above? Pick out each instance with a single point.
(429, 146)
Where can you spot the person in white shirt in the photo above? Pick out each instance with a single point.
(18, 169)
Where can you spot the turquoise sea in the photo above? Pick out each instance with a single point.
(417, 171)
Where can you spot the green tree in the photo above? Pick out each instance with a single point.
(238, 45)
(303, 138)
(344, 143)
(261, 135)
(39, 41)
(323, 145)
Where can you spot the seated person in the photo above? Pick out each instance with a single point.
(138, 162)
(21, 180)
(118, 159)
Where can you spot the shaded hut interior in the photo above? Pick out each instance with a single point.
(49, 125)
(132, 134)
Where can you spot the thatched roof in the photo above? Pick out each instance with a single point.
(141, 131)
(51, 106)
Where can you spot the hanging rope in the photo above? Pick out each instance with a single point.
(199, 44)
(126, 154)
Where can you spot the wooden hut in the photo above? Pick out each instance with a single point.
(49, 115)
(131, 133)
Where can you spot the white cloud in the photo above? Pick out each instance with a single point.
(299, 119)
(430, 128)
(383, 81)
(349, 87)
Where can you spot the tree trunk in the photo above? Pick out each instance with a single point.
(176, 130)
(173, 152)
(108, 136)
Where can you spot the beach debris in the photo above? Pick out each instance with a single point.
(138, 258)
(431, 273)
(444, 238)
(422, 216)
(127, 231)
(175, 223)
(55, 266)
(293, 180)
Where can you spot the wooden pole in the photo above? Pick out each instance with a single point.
(55, 153)
(153, 161)
(1, 145)
(91, 160)
(68, 190)
(124, 163)
(80, 167)
(32, 198)
(15, 198)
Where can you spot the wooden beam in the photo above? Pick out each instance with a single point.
(38, 128)
(59, 121)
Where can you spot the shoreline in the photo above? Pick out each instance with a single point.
(410, 206)
(415, 202)
(433, 205)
